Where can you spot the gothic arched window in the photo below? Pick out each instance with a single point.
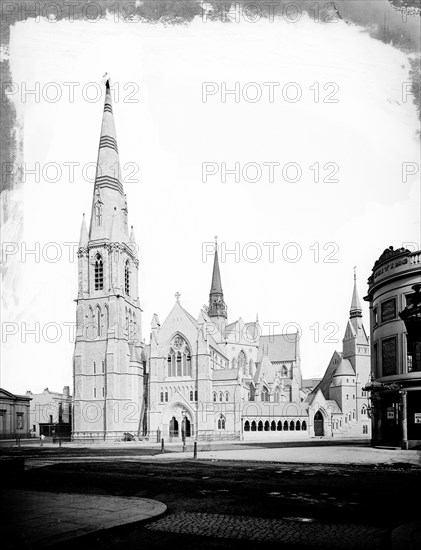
(233, 363)
(179, 358)
(276, 395)
(98, 214)
(127, 278)
(304, 426)
(265, 394)
(247, 426)
(171, 363)
(226, 396)
(284, 371)
(221, 422)
(98, 320)
(99, 272)
(214, 396)
(242, 361)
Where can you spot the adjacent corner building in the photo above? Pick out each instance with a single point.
(395, 322)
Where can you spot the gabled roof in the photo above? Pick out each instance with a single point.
(279, 347)
(15, 397)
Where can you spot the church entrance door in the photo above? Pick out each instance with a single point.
(318, 424)
(173, 427)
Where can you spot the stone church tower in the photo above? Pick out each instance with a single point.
(108, 356)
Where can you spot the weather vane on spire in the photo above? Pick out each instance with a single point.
(177, 296)
(355, 272)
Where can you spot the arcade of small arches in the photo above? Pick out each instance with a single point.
(275, 426)
(99, 320)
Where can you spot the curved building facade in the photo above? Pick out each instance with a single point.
(395, 314)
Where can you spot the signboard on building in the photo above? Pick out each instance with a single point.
(417, 418)
(390, 413)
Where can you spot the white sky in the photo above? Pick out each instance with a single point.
(170, 132)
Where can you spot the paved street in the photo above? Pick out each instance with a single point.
(36, 518)
(242, 502)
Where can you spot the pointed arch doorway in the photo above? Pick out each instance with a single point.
(174, 427)
(318, 424)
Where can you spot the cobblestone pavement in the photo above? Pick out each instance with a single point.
(38, 519)
(288, 530)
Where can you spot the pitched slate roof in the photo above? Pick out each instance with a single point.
(279, 347)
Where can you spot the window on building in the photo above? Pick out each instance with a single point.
(103, 366)
(251, 367)
(253, 426)
(292, 426)
(166, 397)
(389, 356)
(276, 396)
(179, 358)
(260, 426)
(171, 364)
(214, 396)
(162, 397)
(98, 214)
(242, 361)
(298, 425)
(127, 278)
(94, 396)
(247, 426)
(191, 395)
(267, 427)
(273, 426)
(98, 320)
(375, 316)
(304, 426)
(99, 272)
(264, 396)
(94, 367)
(103, 392)
(233, 363)
(195, 395)
(220, 396)
(19, 421)
(221, 422)
(365, 429)
(284, 371)
(279, 426)
(388, 310)
(363, 411)
(227, 396)
(285, 426)
(347, 397)
(179, 369)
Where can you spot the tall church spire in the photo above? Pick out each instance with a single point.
(356, 309)
(217, 306)
(109, 208)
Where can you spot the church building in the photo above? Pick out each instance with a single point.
(199, 377)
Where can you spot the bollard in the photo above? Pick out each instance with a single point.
(195, 450)
(162, 446)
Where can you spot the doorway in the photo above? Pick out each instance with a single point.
(318, 424)
(173, 427)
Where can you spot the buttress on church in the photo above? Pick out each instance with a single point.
(198, 377)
